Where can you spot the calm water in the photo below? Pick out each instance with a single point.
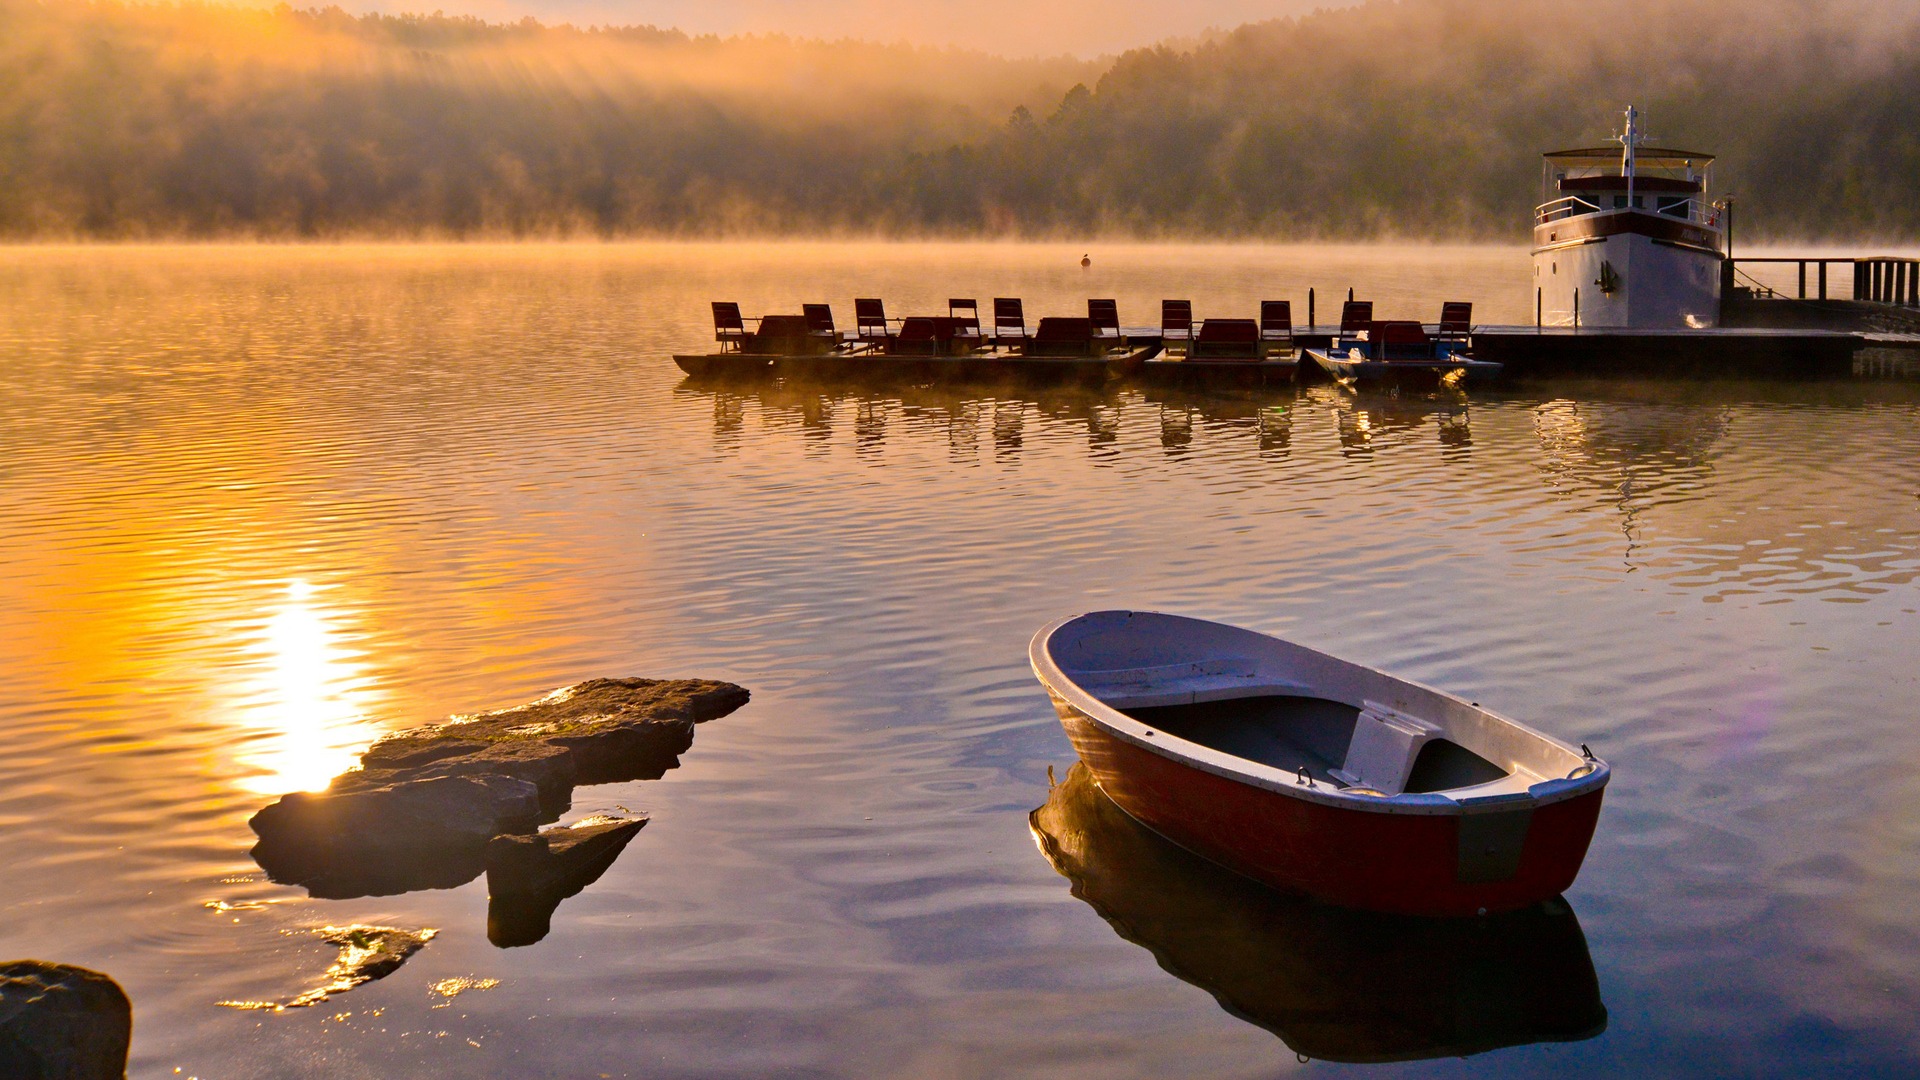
(259, 506)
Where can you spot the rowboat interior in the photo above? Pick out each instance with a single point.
(1303, 715)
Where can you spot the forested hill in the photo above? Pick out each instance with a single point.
(1397, 118)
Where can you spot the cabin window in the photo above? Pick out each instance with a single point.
(1619, 202)
(1674, 206)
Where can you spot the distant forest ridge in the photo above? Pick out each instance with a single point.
(1393, 119)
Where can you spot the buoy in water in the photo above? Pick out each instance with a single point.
(1086, 261)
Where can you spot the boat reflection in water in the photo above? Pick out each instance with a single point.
(1334, 984)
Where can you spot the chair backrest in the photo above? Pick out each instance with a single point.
(965, 314)
(1456, 317)
(726, 316)
(1062, 336)
(1398, 332)
(819, 318)
(1354, 316)
(1009, 315)
(1104, 314)
(870, 318)
(1228, 339)
(1176, 315)
(1276, 318)
(1228, 332)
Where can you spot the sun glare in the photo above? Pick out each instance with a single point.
(306, 714)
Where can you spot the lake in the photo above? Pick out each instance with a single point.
(263, 504)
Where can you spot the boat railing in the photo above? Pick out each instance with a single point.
(1691, 208)
(1564, 207)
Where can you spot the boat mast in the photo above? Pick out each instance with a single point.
(1628, 141)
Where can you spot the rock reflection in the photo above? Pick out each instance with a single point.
(1332, 984)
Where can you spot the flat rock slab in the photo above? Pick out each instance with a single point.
(366, 953)
(59, 1022)
(529, 874)
(420, 810)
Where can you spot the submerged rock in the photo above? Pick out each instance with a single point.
(420, 810)
(528, 875)
(366, 953)
(59, 1022)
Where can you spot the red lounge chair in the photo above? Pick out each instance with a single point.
(870, 326)
(1355, 316)
(1009, 323)
(729, 329)
(1228, 339)
(1176, 323)
(917, 337)
(1399, 340)
(1456, 319)
(966, 320)
(1276, 322)
(1105, 317)
(1062, 337)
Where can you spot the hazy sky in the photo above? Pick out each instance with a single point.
(1006, 27)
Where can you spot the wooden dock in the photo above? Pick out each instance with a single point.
(1727, 352)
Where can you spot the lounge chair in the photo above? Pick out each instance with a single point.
(1105, 316)
(1399, 340)
(820, 323)
(918, 336)
(870, 326)
(729, 329)
(1355, 316)
(1456, 320)
(1062, 337)
(1228, 339)
(1276, 323)
(1176, 323)
(965, 314)
(1009, 323)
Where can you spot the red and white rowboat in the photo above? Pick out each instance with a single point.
(1317, 775)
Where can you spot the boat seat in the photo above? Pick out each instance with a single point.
(1385, 744)
(1194, 682)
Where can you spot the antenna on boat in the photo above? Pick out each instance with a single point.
(1628, 141)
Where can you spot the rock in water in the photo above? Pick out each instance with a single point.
(529, 874)
(62, 1023)
(419, 811)
(366, 953)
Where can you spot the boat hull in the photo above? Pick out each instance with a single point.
(1628, 269)
(1401, 863)
(1216, 373)
(1450, 370)
(979, 367)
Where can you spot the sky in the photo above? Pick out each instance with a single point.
(1016, 28)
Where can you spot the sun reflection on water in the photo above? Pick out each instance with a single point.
(307, 713)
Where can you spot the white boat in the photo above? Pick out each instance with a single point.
(1318, 775)
(1627, 237)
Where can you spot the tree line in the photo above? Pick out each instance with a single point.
(1395, 118)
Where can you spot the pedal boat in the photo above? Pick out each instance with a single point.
(1400, 353)
(1317, 775)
